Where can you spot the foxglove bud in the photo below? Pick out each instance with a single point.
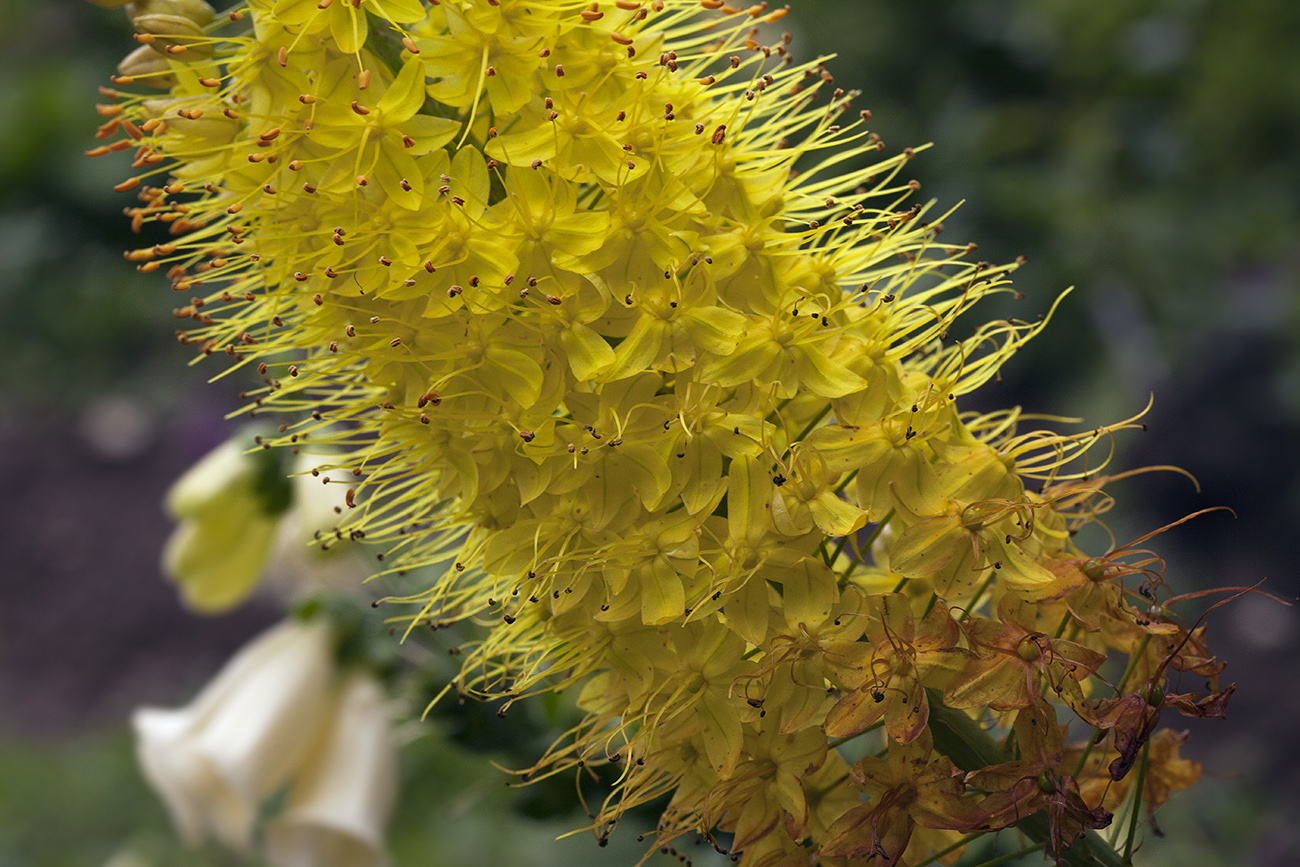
(228, 504)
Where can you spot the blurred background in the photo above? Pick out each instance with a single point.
(1146, 152)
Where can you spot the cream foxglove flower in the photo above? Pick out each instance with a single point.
(228, 522)
(342, 799)
(216, 760)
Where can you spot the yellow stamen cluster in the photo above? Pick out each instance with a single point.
(627, 324)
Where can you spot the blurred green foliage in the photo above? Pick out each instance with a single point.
(78, 318)
(84, 803)
(1144, 151)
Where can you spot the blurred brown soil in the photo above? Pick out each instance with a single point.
(88, 626)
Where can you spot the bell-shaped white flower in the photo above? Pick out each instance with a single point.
(340, 802)
(215, 761)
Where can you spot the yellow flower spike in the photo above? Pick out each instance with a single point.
(591, 349)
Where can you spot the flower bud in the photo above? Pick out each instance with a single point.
(229, 507)
(340, 802)
(195, 10)
(173, 30)
(148, 67)
(215, 760)
(217, 128)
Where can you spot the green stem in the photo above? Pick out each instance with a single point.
(875, 533)
(839, 548)
(839, 742)
(1132, 664)
(1010, 856)
(974, 600)
(969, 838)
(1137, 803)
(812, 424)
(1087, 751)
(879, 528)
